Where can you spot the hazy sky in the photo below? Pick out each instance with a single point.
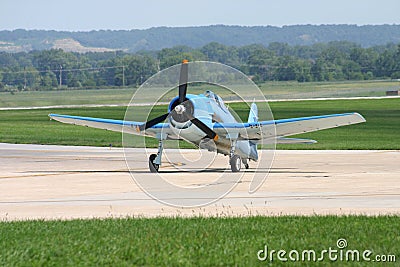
(75, 15)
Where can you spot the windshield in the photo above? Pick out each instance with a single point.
(216, 98)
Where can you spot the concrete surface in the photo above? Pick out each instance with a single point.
(60, 182)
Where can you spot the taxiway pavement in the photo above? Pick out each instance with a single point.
(64, 182)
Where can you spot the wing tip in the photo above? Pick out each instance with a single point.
(360, 117)
(51, 116)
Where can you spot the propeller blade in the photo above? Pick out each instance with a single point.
(152, 122)
(183, 80)
(210, 133)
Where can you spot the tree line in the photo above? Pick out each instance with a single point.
(158, 38)
(335, 61)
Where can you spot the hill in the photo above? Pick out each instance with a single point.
(71, 45)
(163, 37)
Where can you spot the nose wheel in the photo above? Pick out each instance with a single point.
(236, 163)
(153, 166)
(155, 159)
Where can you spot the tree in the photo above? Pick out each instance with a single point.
(49, 80)
(171, 56)
(261, 63)
(139, 69)
(280, 49)
(31, 78)
(221, 53)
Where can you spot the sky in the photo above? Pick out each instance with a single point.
(86, 15)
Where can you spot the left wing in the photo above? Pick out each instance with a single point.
(286, 127)
(115, 125)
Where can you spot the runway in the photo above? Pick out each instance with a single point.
(60, 182)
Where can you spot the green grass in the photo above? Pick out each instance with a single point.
(381, 131)
(272, 90)
(191, 241)
(66, 97)
(291, 89)
(34, 126)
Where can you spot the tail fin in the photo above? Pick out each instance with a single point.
(253, 114)
(253, 117)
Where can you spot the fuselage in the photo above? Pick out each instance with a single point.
(210, 109)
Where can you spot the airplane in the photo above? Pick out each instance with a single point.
(205, 121)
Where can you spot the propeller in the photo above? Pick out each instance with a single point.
(151, 123)
(183, 111)
(183, 79)
(210, 133)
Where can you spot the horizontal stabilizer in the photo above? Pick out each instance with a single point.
(283, 140)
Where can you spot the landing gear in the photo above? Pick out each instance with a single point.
(155, 159)
(235, 160)
(245, 163)
(153, 166)
(236, 163)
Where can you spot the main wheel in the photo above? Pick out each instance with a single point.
(236, 163)
(152, 166)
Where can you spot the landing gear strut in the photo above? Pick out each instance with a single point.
(155, 159)
(245, 163)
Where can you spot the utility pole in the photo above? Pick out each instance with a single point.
(123, 75)
(24, 78)
(60, 76)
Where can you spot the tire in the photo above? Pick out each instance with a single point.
(152, 166)
(236, 163)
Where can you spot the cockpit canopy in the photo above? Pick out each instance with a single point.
(211, 95)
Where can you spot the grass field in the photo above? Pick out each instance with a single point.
(194, 241)
(381, 130)
(67, 97)
(292, 90)
(272, 90)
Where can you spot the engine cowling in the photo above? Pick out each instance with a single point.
(181, 113)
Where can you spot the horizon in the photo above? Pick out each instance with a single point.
(210, 25)
(77, 15)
